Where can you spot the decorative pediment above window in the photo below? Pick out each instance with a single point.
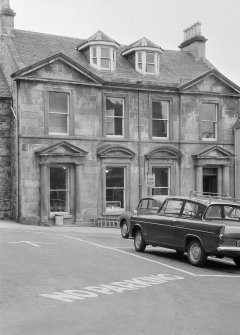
(163, 153)
(101, 51)
(211, 81)
(62, 152)
(146, 55)
(115, 152)
(214, 155)
(58, 68)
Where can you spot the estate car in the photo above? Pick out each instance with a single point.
(202, 226)
(148, 205)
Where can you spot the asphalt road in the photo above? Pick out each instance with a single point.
(57, 280)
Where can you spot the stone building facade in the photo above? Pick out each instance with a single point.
(95, 118)
(7, 147)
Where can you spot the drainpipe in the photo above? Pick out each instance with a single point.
(139, 151)
(18, 157)
(179, 144)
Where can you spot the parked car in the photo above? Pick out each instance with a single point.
(200, 226)
(148, 205)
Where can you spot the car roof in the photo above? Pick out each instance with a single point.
(158, 198)
(207, 200)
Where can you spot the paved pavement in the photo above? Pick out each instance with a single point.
(15, 225)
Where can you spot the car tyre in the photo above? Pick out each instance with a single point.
(237, 261)
(124, 230)
(196, 255)
(139, 242)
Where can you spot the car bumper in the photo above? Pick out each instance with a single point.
(229, 251)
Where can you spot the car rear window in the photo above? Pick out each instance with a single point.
(223, 212)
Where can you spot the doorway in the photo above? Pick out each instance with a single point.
(210, 180)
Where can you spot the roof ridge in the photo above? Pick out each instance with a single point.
(47, 34)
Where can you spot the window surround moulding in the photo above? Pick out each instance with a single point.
(125, 135)
(219, 131)
(110, 161)
(158, 98)
(57, 89)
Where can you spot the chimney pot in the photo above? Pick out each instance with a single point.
(193, 41)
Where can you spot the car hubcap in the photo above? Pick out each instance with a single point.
(195, 252)
(138, 240)
(124, 229)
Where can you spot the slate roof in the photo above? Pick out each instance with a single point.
(4, 88)
(176, 67)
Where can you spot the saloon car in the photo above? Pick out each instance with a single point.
(148, 205)
(200, 226)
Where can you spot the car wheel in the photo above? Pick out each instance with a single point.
(196, 254)
(124, 230)
(237, 261)
(139, 242)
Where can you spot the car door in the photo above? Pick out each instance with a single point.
(161, 229)
(188, 223)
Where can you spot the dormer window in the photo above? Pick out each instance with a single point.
(100, 51)
(146, 56)
(147, 62)
(103, 57)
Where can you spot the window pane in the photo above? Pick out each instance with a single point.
(58, 102)
(114, 177)
(150, 58)
(208, 130)
(139, 57)
(58, 123)
(209, 112)
(114, 199)
(118, 126)
(160, 109)
(105, 52)
(94, 52)
(105, 63)
(161, 177)
(110, 126)
(159, 128)
(58, 189)
(150, 68)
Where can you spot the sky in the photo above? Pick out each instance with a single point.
(126, 21)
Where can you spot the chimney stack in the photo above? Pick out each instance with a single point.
(6, 18)
(194, 42)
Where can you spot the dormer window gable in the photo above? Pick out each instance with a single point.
(147, 56)
(101, 51)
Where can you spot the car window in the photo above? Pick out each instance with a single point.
(232, 213)
(190, 210)
(153, 204)
(214, 212)
(172, 208)
(143, 204)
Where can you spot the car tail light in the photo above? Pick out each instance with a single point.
(222, 232)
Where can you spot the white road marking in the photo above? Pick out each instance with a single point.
(35, 244)
(152, 261)
(133, 255)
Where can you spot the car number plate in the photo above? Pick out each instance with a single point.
(238, 243)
